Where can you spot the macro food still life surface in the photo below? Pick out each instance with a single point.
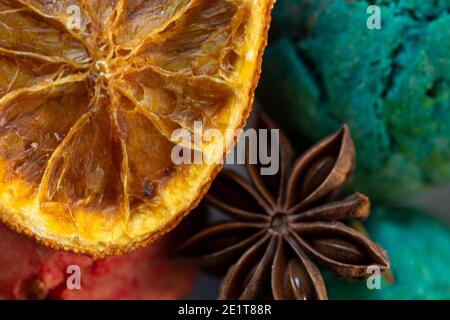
(225, 149)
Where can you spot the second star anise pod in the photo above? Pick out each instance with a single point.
(283, 226)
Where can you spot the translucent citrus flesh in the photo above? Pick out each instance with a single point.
(89, 99)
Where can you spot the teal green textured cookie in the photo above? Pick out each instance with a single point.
(419, 251)
(325, 67)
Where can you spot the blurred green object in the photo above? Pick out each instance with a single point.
(325, 67)
(419, 250)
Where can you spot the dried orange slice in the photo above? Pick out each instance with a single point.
(90, 94)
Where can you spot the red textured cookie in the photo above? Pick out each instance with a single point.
(30, 271)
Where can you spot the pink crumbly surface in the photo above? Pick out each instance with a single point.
(144, 274)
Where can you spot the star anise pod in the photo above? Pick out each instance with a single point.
(283, 225)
